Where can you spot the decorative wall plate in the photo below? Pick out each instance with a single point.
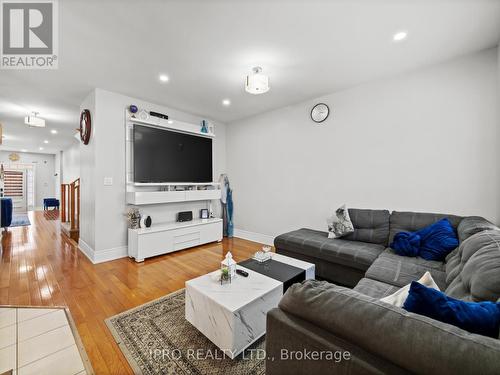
(85, 126)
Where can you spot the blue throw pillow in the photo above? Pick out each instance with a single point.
(476, 317)
(433, 242)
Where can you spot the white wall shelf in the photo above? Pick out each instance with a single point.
(176, 125)
(159, 197)
(176, 184)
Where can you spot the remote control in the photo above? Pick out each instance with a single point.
(242, 273)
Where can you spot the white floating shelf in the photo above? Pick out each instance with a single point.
(176, 184)
(157, 197)
(175, 225)
(178, 126)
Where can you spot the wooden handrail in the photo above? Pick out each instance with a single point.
(70, 204)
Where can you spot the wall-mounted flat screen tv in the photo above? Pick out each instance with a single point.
(162, 155)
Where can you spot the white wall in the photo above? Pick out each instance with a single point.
(44, 166)
(108, 160)
(87, 182)
(423, 141)
(70, 163)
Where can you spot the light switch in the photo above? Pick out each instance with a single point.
(108, 181)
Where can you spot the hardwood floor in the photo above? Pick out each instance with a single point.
(40, 267)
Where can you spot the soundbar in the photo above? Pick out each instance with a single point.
(160, 115)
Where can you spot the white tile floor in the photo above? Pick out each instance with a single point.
(38, 341)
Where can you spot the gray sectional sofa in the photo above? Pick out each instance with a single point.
(321, 317)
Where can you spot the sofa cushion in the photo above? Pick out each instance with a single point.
(413, 342)
(413, 221)
(430, 264)
(370, 226)
(316, 244)
(400, 272)
(474, 272)
(374, 288)
(472, 225)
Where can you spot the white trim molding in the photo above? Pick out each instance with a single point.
(102, 255)
(255, 237)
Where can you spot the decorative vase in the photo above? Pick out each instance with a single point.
(148, 222)
(204, 126)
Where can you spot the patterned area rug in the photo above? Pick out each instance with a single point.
(157, 339)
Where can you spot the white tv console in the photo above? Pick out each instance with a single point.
(162, 239)
(165, 238)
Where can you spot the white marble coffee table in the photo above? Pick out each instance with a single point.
(233, 315)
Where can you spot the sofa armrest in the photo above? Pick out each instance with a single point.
(413, 342)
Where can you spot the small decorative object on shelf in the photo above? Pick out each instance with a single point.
(203, 213)
(148, 222)
(133, 218)
(143, 115)
(133, 108)
(204, 126)
(229, 263)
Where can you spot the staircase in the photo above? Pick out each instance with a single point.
(70, 210)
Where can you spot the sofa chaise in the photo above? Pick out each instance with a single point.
(320, 317)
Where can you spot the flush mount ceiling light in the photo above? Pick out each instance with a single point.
(226, 102)
(400, 36)
(163, 78)
(256, 82)
(34, 121)
(53, 131)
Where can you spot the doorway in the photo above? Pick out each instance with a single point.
(19, 186)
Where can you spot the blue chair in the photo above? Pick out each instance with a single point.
(6, 212)
(50, 202)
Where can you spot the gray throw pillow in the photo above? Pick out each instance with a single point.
(340, 223)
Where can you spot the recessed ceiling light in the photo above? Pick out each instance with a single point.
(53, 131)
(399, 36)
(24, 150)
(164, 78)
(41, 148)
(45, 141)
(226, 102)
(170, 122)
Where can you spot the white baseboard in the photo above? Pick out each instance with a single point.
(86, 249)
(102, 255)
(110, 254)
(255, 237)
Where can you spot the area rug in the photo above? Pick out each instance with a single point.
(20, 220)
(157, 339)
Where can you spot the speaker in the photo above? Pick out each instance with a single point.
(185, 216)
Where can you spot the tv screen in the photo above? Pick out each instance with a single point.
(167, 156)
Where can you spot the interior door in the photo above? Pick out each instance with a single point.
(15, 188)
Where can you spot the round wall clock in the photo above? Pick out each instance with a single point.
(85, 126)
(320, 112)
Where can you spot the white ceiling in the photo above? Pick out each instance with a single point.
(308, 48)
